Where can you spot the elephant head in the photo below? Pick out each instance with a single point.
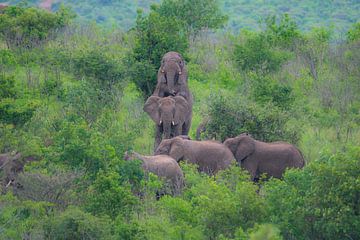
(172, 73)
(169, 113)
(12, 164)
(241, 146)
(173, 147)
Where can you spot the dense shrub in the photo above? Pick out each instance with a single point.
(187, 12)
(29, 27)
(354, 33)
(21, 219)
(230, 117)
(17, 111)
(266, 90)
(95, 64)
(255, 53)
(7, 86)
(320, 202)
(107, 196)
(76, 224)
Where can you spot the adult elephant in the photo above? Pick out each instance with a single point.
(210, 156)
(259, 157)
(172, 116)
(165, 167)
(172, 77)
(11, 164)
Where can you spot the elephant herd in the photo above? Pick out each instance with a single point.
(170, 107)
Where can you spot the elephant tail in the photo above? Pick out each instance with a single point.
(201, 128)
(302, 164)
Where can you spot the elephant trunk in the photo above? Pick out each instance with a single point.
(167, 125)
(172, 75)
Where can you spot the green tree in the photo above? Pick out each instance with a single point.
(196, 15)
(155, 36)
(29, 27)
(281, 31)
(354, 33)
(255, 53)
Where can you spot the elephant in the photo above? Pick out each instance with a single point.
(210, 156)
(264, 158)
(172, 77)
(172, 116)
(165, 167)
(11, 164)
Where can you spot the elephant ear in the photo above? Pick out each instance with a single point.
(181, 110)
(232, 144)
(246, 146)
(176, 148)
(152, 108)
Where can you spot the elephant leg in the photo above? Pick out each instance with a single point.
(176, 131)
(250, 165)
(185, 129)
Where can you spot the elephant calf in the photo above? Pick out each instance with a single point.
(164, 167)
(210, 156)
(259, 157)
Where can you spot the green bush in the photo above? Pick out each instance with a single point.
(354, 33)
(211, 16)
(281, 31)
(97, 65)
(30, 27)
(76, 224)
(17, 111)
(321, 201)
(107, 196)
(21, 219)
(7, 86)
(266, 90)
(255, 53)
(230, 117)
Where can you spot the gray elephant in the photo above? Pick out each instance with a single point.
(11, 164)
(210, 156)
(172, 116)
(172, 77)
(259, 157)
(164, 166)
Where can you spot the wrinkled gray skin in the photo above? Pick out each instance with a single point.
(259, 157)
(172, 77)
(164, 167)
(172, 116)
(210, 156)
(11, 164)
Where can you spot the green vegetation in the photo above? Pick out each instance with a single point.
(241, 13)
(72, 95)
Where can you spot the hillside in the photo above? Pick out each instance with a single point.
(242, 13)
(81, 103)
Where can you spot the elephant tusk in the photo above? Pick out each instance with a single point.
(180, 73)
(7, 185)
(173, 123)
(162, 70)
(160, 122)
